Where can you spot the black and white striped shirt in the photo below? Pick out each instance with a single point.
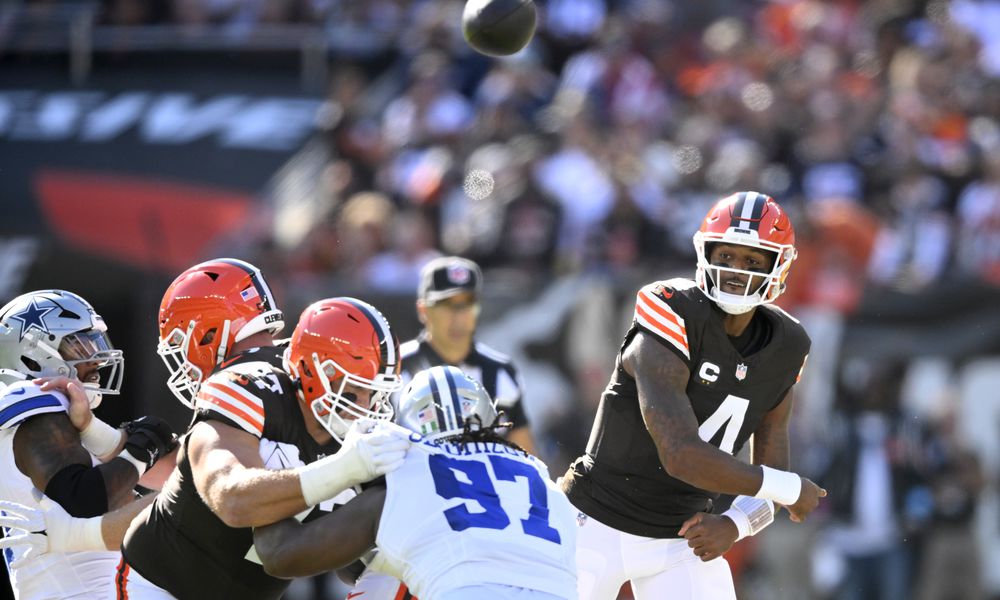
(484, 364)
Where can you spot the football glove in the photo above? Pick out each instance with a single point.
(47, 528)
(150, 438)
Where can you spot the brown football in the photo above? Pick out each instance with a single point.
(499, 27)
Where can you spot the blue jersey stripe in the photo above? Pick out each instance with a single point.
(11, 412)
(442, 420)
(455, 402)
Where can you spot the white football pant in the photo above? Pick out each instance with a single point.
(658, 568)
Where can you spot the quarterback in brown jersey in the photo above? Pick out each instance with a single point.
(705, 365)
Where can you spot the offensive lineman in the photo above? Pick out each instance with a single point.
(267, 442)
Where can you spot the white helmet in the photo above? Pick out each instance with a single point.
(438, 401)
(50, 333)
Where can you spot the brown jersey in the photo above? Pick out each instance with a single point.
(620, 481)
(185, 548)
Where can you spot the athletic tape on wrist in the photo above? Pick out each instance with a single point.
(324, 479)
(750, 514)
(140, 465)
(99, 438)
(741, 521)
(90, 534)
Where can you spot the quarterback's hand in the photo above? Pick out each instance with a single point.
(48, 528)
(79, 404)
(373, 449)
(807, 502)
(710, 536)
(150, 438)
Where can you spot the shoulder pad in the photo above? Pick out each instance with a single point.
(677, 283)
(780, 312)
(232, 394)
(663, 309)
(791, 328)
(23, 399)
(246, 369)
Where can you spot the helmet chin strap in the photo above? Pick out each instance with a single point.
(93, 395)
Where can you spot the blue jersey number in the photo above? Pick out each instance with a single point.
(477, 485)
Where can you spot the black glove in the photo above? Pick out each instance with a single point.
(150, 438)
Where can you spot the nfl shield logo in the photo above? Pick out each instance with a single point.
(741, 371)
(458, 274)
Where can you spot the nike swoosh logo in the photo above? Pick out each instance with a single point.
(353, 595)
(17, 393)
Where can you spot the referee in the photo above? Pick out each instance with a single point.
(448, 308)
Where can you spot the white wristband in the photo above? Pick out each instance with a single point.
(782, 487)
(751, 515)
(741, 521)
(139, 465)
(100, 439)
(325, 478)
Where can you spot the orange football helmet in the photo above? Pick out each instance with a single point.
(204, 312)
(341, 341)
(748, 219)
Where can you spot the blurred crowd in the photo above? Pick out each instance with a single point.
(593, 154)
(596, 151)
(599, 147)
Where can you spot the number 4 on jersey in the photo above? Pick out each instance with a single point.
(731, 414)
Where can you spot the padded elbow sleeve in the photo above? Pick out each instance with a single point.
(80, 490)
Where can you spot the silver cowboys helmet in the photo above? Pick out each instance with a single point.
(52, 333)
(438, 401)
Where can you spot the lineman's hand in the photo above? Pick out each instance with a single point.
(79, 404)
(47, 528)
(807, 502)
(710, 536)
(150, 438)
(374, 449)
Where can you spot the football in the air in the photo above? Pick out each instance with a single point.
(498, 27)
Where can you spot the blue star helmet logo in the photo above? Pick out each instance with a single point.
(31, 316)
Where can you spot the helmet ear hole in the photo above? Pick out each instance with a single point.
(209, 337)
(305, 373)
(31, 364)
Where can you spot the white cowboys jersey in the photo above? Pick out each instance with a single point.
(463, 515)
(49, 576)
